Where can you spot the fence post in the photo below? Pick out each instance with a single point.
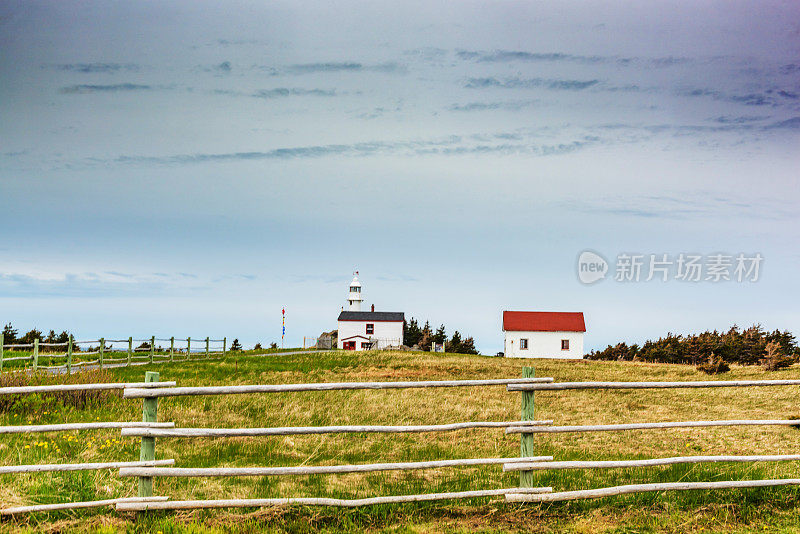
(526, 440)
(148, 450)
(130, 350)
(152, 347)
(188, 347)
(100, 350)
(207, 348)
(69, 355)
(1, 352)
(35, 353)
(172, 348)
(224, 342)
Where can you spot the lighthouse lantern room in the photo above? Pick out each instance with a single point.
(354, 298)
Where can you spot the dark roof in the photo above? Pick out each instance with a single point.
(543, 321)
(371, 316)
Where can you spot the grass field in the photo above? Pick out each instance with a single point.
(698, 511)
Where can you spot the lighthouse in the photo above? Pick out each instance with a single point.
(354, 297)
(367, 330)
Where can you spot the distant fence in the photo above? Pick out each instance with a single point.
(66, 356)
(147, 468)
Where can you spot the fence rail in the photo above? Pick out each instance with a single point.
(323, 386)
(315, 501)
(287, 431)
(641, 488)
(315, 469)
(559, 386)
(525, 465)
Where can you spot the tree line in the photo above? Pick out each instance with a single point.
(11, 336)
(744, 347)
(424, 336)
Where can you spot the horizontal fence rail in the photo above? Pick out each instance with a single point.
(44, 468)
(315, 469)
(292, 430)
(323, 386)
(62, 427)
(314, 501)
(74, 505)
(19, 390)
(559, 386)
(525, 465)
(646, 426)
(641, 488)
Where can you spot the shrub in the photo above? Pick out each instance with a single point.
(774, 359)
(714, 366)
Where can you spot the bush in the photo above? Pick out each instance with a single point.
(714, 366)
(774, 359)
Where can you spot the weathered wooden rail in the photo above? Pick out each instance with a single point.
(529, 467)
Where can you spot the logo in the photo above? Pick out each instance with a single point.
(592, 267)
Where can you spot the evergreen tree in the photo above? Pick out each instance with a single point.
(411, 333)
(9, 334)
(468, 346)
(454, 345)
(440, 336)
(30, 336)
(236, 345)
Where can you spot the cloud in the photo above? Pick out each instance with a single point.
(331, 67)
(280, 92)
(699, 205)
(492, 106)
(744, 119)
(530, 83)
(114, 88)
(90, 68)
(788, 124)
(451, 146)
(506, 56)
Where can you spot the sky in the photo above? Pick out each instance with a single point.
(191, 168)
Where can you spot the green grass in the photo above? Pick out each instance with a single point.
(720, 511)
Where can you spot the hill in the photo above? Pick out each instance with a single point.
(736, 510)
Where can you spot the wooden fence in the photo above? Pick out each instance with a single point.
(528, 391)
(102, 352)
(149, 430)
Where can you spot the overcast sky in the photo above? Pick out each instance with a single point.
(189, 168)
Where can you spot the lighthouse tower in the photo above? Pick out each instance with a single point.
(354, 296)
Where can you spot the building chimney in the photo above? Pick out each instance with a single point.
(372, 308)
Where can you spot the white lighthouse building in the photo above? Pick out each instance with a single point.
(354, 298)
(367, 330)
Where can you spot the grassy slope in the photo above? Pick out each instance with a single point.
(744, 511)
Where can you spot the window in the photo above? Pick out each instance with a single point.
(370, 328)
(565, 344)
(523, 344)
(355, 289)
(365, 345)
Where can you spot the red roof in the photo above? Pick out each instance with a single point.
(543, 321)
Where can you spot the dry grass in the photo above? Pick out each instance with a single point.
(669, 513)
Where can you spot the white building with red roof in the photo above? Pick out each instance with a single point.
(530, 334)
